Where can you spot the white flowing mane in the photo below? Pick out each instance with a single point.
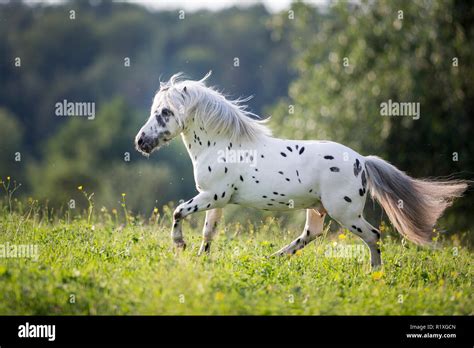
(213, 110)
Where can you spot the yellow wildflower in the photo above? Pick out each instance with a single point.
(377, 275)
(219, 296)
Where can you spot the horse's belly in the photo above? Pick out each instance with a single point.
(275, 201)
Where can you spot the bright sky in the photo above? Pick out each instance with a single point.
(215, 5)
(193, 5)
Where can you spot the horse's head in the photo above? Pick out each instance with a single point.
(167, 118)
(177, 100)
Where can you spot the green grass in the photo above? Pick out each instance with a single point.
(111, 269)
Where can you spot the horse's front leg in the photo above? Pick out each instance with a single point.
(203, 201)
(209, 230)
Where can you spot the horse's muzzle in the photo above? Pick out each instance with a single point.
(146, 144)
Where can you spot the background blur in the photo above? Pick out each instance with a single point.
(320, 71)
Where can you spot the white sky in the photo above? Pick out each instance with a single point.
(193, 5)
(215, 5)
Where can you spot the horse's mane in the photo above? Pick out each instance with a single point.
(214, 110)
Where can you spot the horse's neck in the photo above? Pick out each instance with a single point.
(207, 144)
(200, 141)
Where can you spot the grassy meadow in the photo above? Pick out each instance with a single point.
(96, 264)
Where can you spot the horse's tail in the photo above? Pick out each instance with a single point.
(412, 205)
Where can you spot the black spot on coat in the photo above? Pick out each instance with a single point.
(376, 232)
(160, 121)
(357, 167)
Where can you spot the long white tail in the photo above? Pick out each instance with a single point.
(412, 205)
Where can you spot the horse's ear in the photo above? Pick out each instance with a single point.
(206, 76)
(162, 84)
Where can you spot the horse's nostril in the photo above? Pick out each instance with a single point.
(140, 141)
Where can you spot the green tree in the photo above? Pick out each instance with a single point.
(10, 146)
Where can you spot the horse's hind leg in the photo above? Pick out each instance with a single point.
(209, 229)
(313, 228)
(369, 234)
(347, 210)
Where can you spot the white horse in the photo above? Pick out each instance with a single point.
(237, 161)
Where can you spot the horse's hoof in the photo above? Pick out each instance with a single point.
(180, 245)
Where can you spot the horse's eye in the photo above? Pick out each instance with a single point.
(167, 112)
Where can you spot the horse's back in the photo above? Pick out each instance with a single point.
(292, 174)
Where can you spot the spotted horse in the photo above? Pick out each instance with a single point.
(236, 160)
